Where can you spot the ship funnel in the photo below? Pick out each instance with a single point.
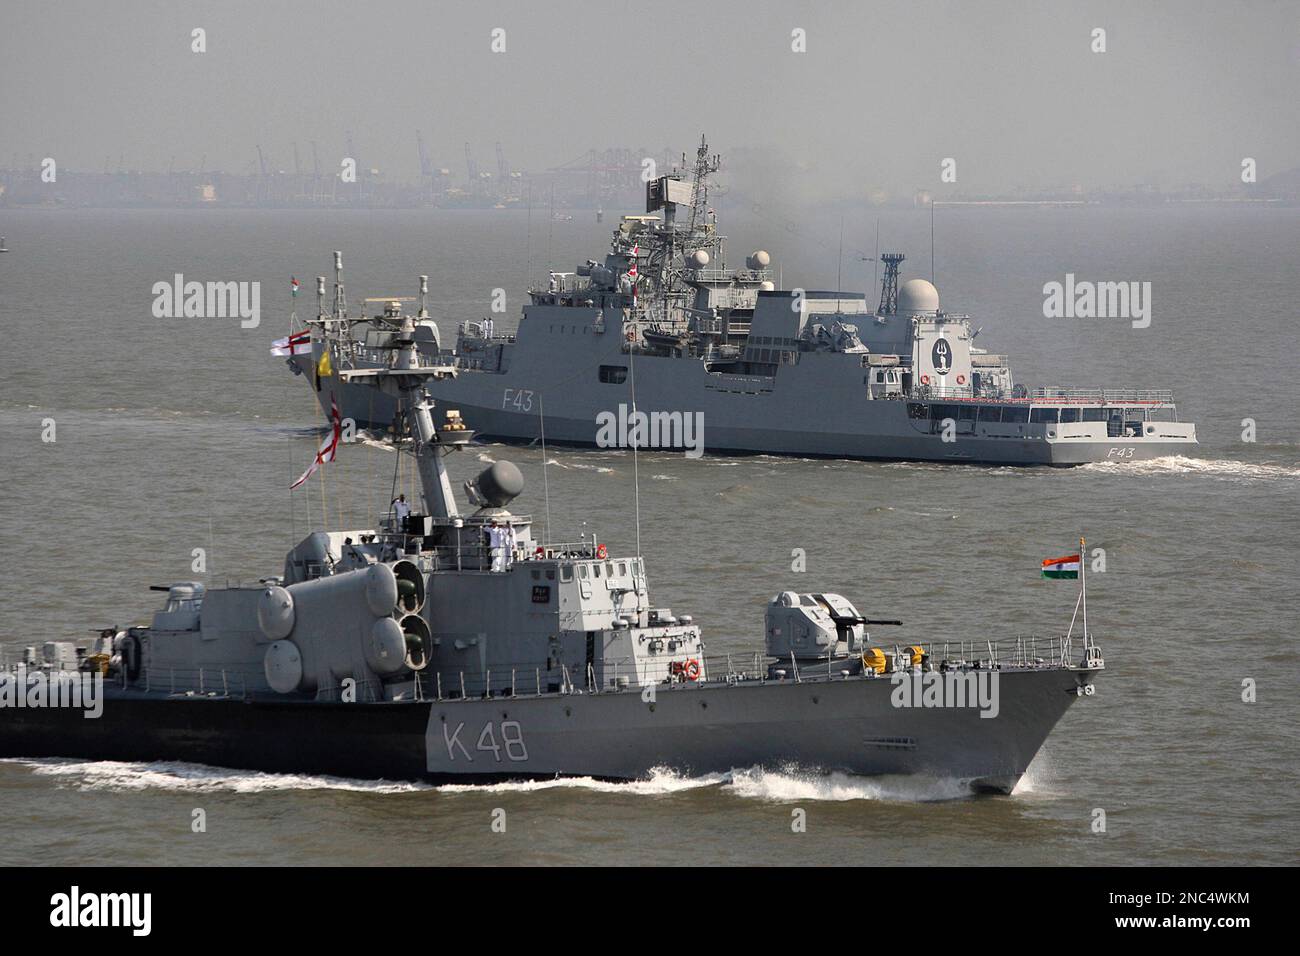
(497, 485)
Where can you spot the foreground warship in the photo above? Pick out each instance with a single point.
(455, 645)
(662, 324)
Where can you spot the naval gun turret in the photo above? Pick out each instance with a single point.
(820, 627)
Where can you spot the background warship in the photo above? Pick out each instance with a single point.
(662, 325)
(447, 645)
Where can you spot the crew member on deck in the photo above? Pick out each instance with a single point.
(501, 540)
(401, 510)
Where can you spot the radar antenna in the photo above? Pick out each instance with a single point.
(889, 286)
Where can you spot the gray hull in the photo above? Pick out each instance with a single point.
(819, 725)
(814, 411)
(847, 725)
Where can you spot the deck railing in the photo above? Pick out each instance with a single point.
(621, 675)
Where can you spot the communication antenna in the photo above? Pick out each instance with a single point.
(546, 486)
(932, 282)
(839, 269)
(340, 299)
(875, 280)
(424, 291)
(320, 296)
(636, 474)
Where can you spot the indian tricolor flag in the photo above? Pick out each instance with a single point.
(1066, 567)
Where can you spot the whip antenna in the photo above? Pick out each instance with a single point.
(546, 487)
(636, 474)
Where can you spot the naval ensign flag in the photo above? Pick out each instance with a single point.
(329, 447)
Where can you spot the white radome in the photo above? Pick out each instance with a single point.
(758, 259)
(918, 295)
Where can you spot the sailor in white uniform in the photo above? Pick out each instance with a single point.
(401, 510)
(498, 544)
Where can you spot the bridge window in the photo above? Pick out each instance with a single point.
(566, 572)
(613, 374)
(1015, 413)
(1069, 415)
(1043, 414)
(1094, 414)
(991, 413)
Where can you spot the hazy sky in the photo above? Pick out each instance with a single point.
(885, 91)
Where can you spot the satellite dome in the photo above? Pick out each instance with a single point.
(698, 259)
(758, 259)
(918, 295)
(766, 286)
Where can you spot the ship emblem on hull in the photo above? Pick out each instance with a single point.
(941, 357)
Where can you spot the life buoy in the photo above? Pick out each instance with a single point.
(961, 379)
(925, 380)
(601, 552)
(692, 669)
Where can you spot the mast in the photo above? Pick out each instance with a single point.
(705, 166)
(1083, 591)
(889, 286)
(406, 382)
(340, 298)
